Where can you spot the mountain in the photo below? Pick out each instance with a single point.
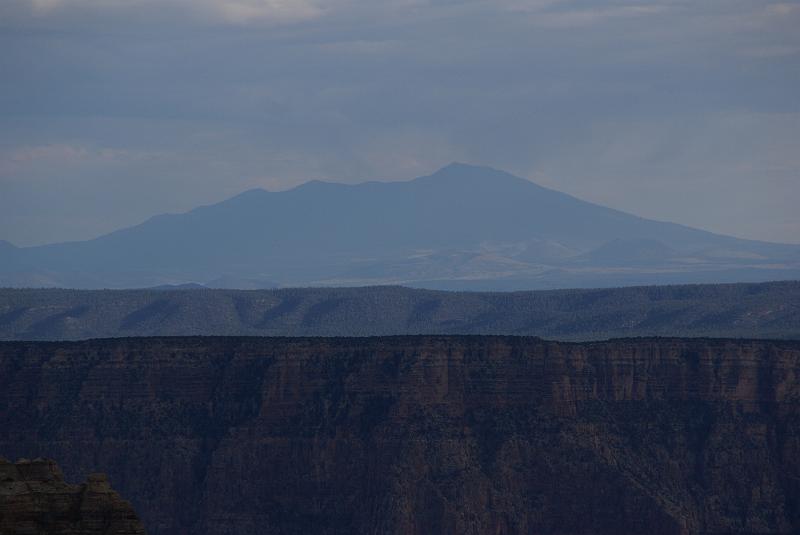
(763, 310)
(462, 227)
(419, 435)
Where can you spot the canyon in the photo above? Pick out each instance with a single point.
(419, 434)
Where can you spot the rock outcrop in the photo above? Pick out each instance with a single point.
(34, 500)
(420, 435)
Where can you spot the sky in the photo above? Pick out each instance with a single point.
(112, 111)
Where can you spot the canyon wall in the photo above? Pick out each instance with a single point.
(423, 434)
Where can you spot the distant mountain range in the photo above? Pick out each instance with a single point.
(752, 310)
(464, 227)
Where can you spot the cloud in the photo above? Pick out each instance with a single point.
(560, 14)
(769, 52)
(232, 11)
(144, 106)
(783, 8)
(587, 17)
(242, 11)
(23, 161)
(555, 13)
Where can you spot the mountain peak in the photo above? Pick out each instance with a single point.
(463, 222)
(462, 165)
(465, 168)
(253, 192)
(477, 176)
(314, 184)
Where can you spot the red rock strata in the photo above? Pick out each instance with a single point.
(420, 434)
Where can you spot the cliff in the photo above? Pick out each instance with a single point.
(34, 499)
(420, 434)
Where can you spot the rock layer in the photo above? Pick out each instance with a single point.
(420, 434)
(34, 499)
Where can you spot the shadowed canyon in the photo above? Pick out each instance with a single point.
(424, 434)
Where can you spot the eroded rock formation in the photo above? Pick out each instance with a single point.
(420, 434)
(35, 500)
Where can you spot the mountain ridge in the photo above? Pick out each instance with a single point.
(407, 232)
(766, 310)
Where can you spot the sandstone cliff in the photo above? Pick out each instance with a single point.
(34, 500)
(420, 434)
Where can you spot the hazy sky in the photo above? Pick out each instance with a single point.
(115, 110)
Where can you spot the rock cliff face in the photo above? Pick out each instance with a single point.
(420, 435)
(34, 499)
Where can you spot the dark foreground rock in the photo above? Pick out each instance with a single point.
(35, 500)
(420, 434)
